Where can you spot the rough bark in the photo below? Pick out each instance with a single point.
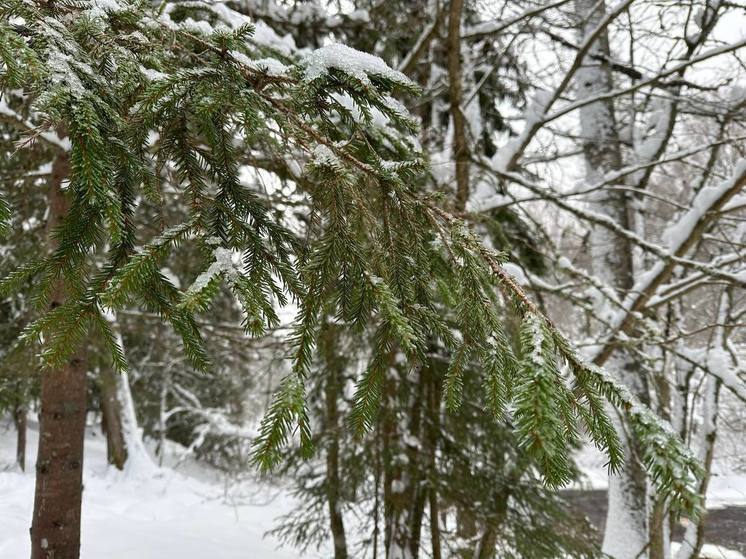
(626, 534)
(332, 389)
(418, 464)
(19, 420)
(55, 530)
(431, 444)
(460, 145)
(111, 409)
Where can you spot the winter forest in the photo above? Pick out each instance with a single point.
(372, 279)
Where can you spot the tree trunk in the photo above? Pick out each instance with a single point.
(401, 475)
(486, 546)
(55, 530)
(659, 529)
(111, 408)
(659, 522)
(626, 534)
(460, 145)
(19, 420)
(332, 389)
(432, 429)
(695, 531)
(419, 464)
(135, 453)
(435, 524)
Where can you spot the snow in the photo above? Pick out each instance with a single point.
(711, 552)
(535, 113)
(147, 514)
(727, 488)
(359, 65)
(152, 75)
(517, 272)
(705, 199)
(50, 137)
(62, 73)
(265, 35)
(324, 157)
(269, 66)
(101, 8)
(224, 264)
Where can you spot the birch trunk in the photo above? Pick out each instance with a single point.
(626, 534)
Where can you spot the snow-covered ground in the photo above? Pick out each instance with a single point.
(146, 512)
(711, 552)
(727, 485)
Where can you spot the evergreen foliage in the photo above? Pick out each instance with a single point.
(138, 93)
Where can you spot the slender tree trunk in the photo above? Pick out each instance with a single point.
(135, 453)
(398, 472)
(391, 474)
(626, 534)
(432, 430)
(435, 524)
(659, 521)
(418, 463)
(460, 145)
(695, 531)
(19, 420)
(377, 483)
(659, 529)
(55, 530)
(332, 389)
(486, 546)
(111, 408)
(487, 542)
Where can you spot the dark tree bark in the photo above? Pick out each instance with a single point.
(435, 523)
(417, 469)
(431, 443)
(332, 389)
(460, 145)
(111, 409)
(19, 420)
(55, 529)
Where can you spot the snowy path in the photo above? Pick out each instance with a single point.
(145, 514)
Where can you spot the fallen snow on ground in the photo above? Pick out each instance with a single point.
(711, 552)
(146, 512)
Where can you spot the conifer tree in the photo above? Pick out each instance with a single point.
(126, 91)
